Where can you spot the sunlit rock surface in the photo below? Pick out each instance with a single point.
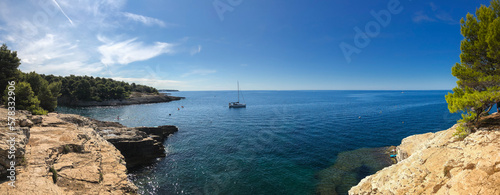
(439, 163)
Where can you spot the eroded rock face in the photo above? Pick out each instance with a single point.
(438, 163)
(16, 139)
(66, 158)
(139, 145)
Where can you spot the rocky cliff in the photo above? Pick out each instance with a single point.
(139, 145)
(64, 158)
(439, 163)
(71, 154)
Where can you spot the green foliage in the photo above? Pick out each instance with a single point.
(26, 99)
(32, 92)
(46, 93)
(66, 149)
(54, 174)
(82, 90)
(101, 178)
(39, 93)
(9, 62)
(462, 131)
(478, 73)
(85, 88)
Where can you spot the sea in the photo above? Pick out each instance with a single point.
(283, 142)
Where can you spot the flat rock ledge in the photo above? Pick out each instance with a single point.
(439, 163)
(139, 145)
(71, 154)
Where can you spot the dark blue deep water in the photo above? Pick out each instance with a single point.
(278, 144)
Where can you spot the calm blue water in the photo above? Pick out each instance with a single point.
(279, 143)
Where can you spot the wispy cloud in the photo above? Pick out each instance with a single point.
(144, 19)
(130, 50)
(422, 17)
(195, 50)
(157, 83)
(52, 54)
(445, 17)
(62, 11)
(434, 7)
(201, 72)
(98, 37)
(438, 16)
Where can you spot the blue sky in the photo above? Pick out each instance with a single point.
(265, 44)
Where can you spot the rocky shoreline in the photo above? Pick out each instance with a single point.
(72, 154)
(439, 163)
(139, 145)
(133, 99)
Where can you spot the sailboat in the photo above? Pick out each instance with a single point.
(237, 104)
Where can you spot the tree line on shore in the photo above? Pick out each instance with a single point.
(89, 88)
(39, 93)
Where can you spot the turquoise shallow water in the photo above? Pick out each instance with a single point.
(280, 144)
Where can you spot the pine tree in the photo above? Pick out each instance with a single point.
(478, 73)
(26, 99)
(9, 62)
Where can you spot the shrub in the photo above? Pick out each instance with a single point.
(54, 174)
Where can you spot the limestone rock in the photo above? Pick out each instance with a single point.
(15, 139)
(438, 163)
(26, 123)
(36, 120)
(75, 157)
(139, 145)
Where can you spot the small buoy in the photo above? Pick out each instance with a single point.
(359, 117)
(169, 114)
(182, 106)
(403, 122)
(178, 109)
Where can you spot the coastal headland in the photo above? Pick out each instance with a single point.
(440, 163)
(134, 98)
(72, 154)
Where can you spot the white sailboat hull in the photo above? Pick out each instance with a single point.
(237, 105)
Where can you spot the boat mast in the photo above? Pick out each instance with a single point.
(238, 91)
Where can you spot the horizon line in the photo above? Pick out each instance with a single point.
(178, 90)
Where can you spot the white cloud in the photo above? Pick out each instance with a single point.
(195, 50)
(63, 37)
(69, 68)
(129, 51)
(52, 54)
(157, 83)
(46, 48)
(201, 72)
(144, 19)
(62, 11)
